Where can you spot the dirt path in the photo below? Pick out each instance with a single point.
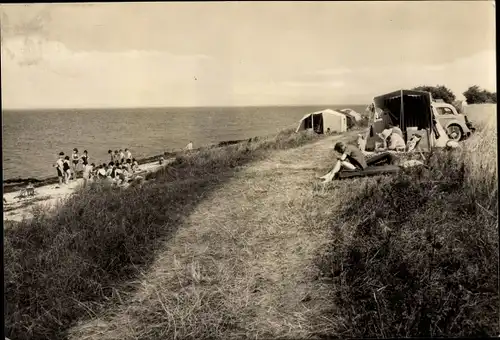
(241, 266)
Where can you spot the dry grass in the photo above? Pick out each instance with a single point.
(417, 254)
(240, 266)
(62, 268)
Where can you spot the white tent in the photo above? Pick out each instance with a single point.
(351, 113)
(324, 121)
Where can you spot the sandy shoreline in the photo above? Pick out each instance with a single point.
(48, 196)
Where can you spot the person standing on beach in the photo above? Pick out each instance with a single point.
(85, 158)
(128, 155)
(189, 146)
(59, 165)
(75, 158)
(87, 171)
(122, 155)
(111, 157)
(116, 158)
(67, 170)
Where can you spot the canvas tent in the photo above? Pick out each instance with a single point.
(351, 113)
(321, 121)
(411, 110)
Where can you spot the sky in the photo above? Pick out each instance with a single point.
(240, 53)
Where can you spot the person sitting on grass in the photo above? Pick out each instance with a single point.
(102, 173)
(353, 159)
(392, 139)
(128, 165)
(135, 165)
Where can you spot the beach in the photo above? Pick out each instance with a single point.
(50, 196)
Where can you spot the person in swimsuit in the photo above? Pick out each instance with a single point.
(122, 155)
(75, 158)
(111, 157)
(116, 158)
(85, 158)
(66, 169)
(59, 165)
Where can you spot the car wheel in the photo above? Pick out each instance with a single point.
(454, 132)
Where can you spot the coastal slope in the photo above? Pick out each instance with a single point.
(240, 265)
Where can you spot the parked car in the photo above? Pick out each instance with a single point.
(457, 125)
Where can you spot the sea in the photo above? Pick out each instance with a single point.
(32, 139)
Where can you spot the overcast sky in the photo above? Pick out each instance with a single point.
(230, 53)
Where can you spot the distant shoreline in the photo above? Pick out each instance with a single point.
(13, 184)
(172, 107)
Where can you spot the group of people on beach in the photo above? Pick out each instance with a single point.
(119, 169)
(67, 166)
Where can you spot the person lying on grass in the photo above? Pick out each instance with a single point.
(353, 159)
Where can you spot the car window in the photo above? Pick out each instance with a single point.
(440, 110)
(444, 111)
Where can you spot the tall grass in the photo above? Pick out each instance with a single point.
(60, 269)
(417, 254)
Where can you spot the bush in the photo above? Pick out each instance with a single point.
(476, 95)
(438, 92)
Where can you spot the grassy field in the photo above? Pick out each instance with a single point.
(417, 254)
(243, 241)
(59, 269)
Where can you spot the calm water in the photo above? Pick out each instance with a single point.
(32, 139)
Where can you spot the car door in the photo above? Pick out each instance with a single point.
(445, 115)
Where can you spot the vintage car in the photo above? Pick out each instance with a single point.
(457, 126)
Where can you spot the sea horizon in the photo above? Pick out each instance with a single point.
(176, 107)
